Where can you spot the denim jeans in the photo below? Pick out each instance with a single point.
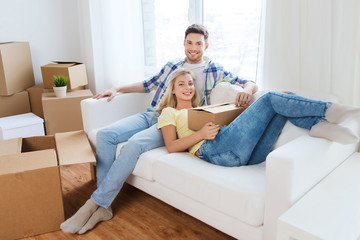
(141, 133)
(250, 137)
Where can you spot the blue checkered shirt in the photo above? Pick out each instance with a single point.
(213, 72)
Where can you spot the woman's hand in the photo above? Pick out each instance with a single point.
(209, 131)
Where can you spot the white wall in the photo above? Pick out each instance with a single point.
(51, 27)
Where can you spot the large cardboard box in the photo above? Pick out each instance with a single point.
(35, 95)
(63, 114)
(16, 69)
(30, 184)
(22, 125)
(15, 104)
(221, 114)
(76, 72)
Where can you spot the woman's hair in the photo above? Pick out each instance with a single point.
(197, 28)
(169, 99)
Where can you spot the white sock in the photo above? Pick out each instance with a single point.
(101, 214)
(337, 113)
(76, 222)
(333, 132)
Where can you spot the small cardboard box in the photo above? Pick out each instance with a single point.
(30, 184)
(22, 125)
(76, 72)
(16, 69)
(35, 96)
(221, 114)
(63, 114)
(15, 104)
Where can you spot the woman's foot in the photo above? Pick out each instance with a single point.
(333, 132)
(101, 214)
(337, 113)
(76, 222)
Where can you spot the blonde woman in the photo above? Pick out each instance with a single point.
(249, 138)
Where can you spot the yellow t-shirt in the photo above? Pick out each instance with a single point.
(178, 118)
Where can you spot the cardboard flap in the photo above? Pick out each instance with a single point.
(73, 148)
(22, 162)
(60, 65)
(66, 63)
(10, 146)
(216, 108)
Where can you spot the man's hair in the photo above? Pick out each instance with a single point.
(197, 28)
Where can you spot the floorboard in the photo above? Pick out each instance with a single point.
(137, 215)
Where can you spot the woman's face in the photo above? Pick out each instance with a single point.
(184, 88)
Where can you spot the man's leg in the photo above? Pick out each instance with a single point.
(114, 180)
(108, 138)
(125, 163)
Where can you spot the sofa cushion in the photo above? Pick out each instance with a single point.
(236, 191)
(144, 166)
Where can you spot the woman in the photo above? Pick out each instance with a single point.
(249, 138)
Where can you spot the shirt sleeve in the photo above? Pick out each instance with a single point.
(167, 117)
(153, 82)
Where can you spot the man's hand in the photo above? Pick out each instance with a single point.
(110, 93)
(243, 99)
(209, 131)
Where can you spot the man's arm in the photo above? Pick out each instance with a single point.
(111, 93)
(243, 98)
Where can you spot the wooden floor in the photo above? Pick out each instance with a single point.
(137, 215)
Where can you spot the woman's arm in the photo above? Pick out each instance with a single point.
(173, 144)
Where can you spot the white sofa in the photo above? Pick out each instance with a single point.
(244, 202)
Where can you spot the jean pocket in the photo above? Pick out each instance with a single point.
(226, 159)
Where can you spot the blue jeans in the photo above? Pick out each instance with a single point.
(250, 137)
(141, 133)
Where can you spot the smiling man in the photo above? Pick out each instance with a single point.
(140, 130)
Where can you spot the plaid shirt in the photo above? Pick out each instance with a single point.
(213, 72)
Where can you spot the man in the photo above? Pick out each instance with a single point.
(140, 130)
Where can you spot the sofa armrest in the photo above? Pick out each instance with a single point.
(296, 167)
(100, 113)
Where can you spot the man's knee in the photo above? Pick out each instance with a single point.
(105, 134)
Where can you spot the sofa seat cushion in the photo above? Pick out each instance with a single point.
(236, 191)
(144, 166)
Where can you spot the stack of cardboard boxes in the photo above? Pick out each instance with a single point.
(16, 75)
(19, 94)
(30, 185)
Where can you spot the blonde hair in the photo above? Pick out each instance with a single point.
(169, 99)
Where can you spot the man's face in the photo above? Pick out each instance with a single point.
(195, 47)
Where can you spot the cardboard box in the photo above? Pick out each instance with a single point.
(22, 125)
(30, 185)
(35, 96)
(16, 69)
(63, 114)
(15, 104)
(76, 72)
(221, 114)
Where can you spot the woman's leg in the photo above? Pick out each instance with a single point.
(236, 142)
(267, 140)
